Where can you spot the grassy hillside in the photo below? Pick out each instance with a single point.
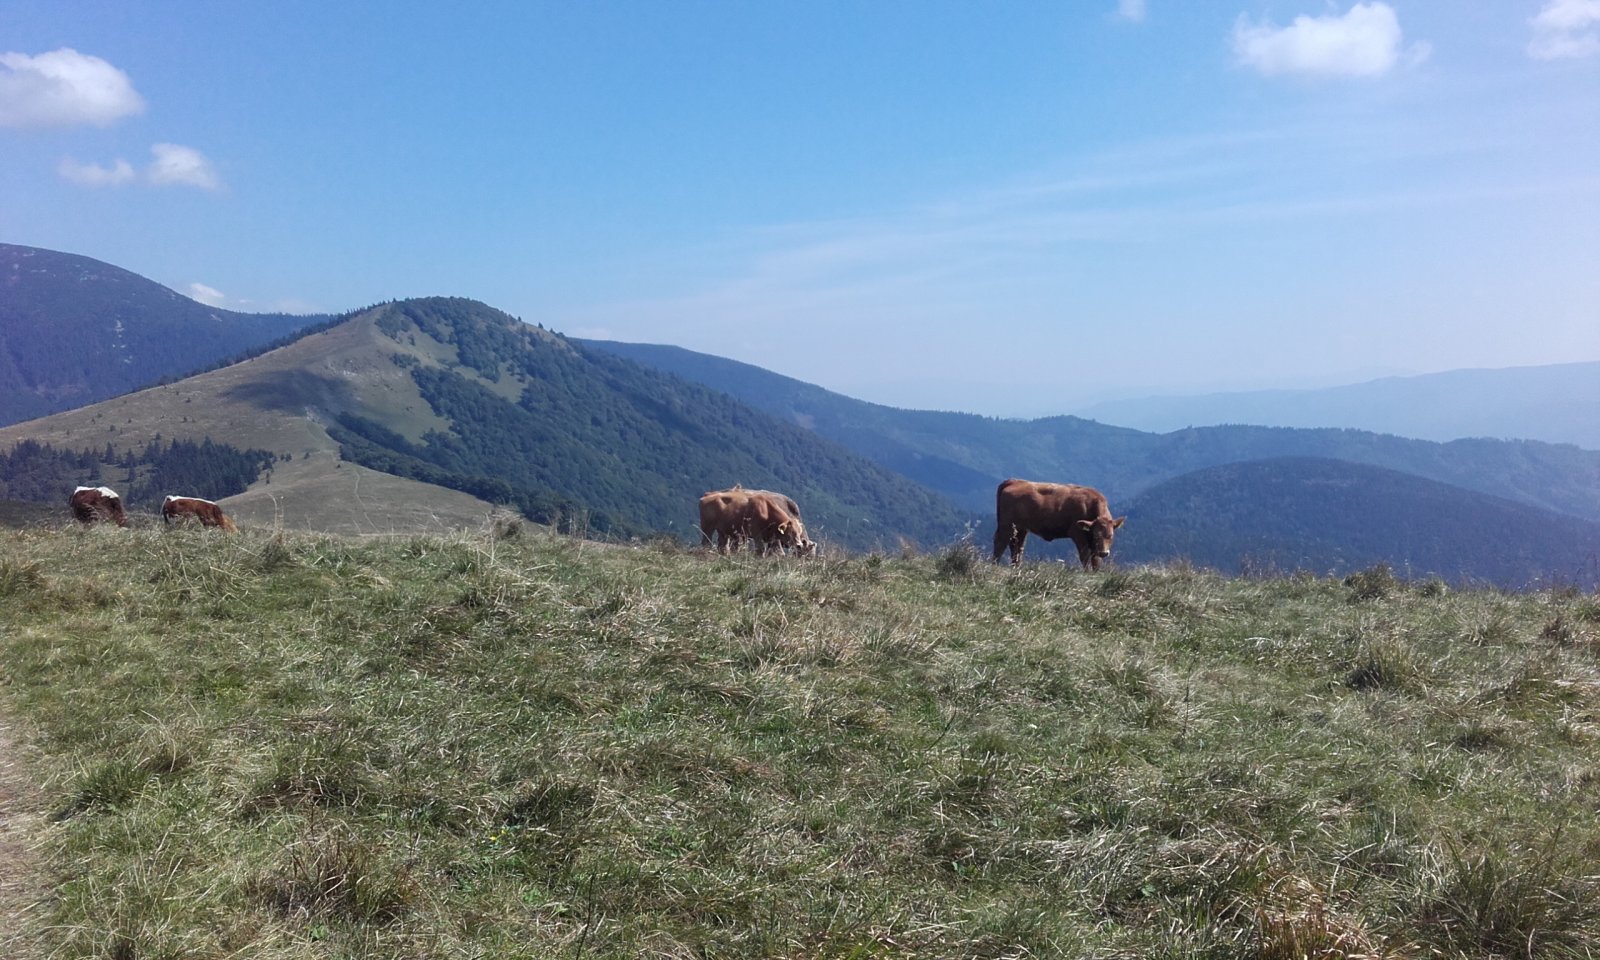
(21, 513)
(449, 393)
(314, 747)
(964, 456)
(282, 402)
(1557, 403)
(75, 330)
(1332, 516)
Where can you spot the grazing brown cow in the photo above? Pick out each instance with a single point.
(208, 513)
(738, 514)
(97, 503)
(781, 499)
(1053, 511)
(794, 534)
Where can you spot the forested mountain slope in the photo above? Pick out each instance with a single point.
(964, 456)
(1330, 516)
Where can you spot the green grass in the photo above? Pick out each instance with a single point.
(540, 747)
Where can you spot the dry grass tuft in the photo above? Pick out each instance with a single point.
(1297, 920)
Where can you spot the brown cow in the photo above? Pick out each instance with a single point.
(208, 513)
(1052, 511)
(97, 503)
(738, 514)
(781, 499)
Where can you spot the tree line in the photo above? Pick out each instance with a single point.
(39, 472)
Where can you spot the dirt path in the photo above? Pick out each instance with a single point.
(21, 819)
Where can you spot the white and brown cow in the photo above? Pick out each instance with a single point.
(90, 504)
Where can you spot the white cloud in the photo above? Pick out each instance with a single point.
(63, 88)
(1566, 29)
(182, 166)
(94, 174)
(173, 165)
(1131, 10)
(1365, 42)
(210, 296)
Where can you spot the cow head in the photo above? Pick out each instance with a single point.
(1099, 533)
(792, 534)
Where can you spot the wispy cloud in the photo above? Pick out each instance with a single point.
(210, 296)
(63, 88)
(96, 175)
(177, 165)
(1566, 29)
(1029, 251)
(1364, 42)
(172, 165)
(1131, 10)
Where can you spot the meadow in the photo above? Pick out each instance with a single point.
(518, 744)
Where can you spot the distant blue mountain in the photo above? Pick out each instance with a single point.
(1331, 516)
(1559, 403)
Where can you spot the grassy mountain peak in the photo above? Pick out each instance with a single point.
(445, 392)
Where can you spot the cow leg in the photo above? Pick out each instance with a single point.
(1002, 538)
(1019, 540)
(1086, 557)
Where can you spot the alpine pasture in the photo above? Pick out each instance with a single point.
(519, 744)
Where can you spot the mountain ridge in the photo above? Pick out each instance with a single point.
(1554, 403)
(1325, 516)
(963, 455)
(75, 330)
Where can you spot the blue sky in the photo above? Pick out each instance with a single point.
(1009, 207)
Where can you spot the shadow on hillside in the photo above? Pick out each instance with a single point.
(292, 391)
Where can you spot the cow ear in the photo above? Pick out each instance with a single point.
(1085, 524)
(1117, 523)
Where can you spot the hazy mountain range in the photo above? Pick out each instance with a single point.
(1559, 403)
(963, 456)
(433, 412)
